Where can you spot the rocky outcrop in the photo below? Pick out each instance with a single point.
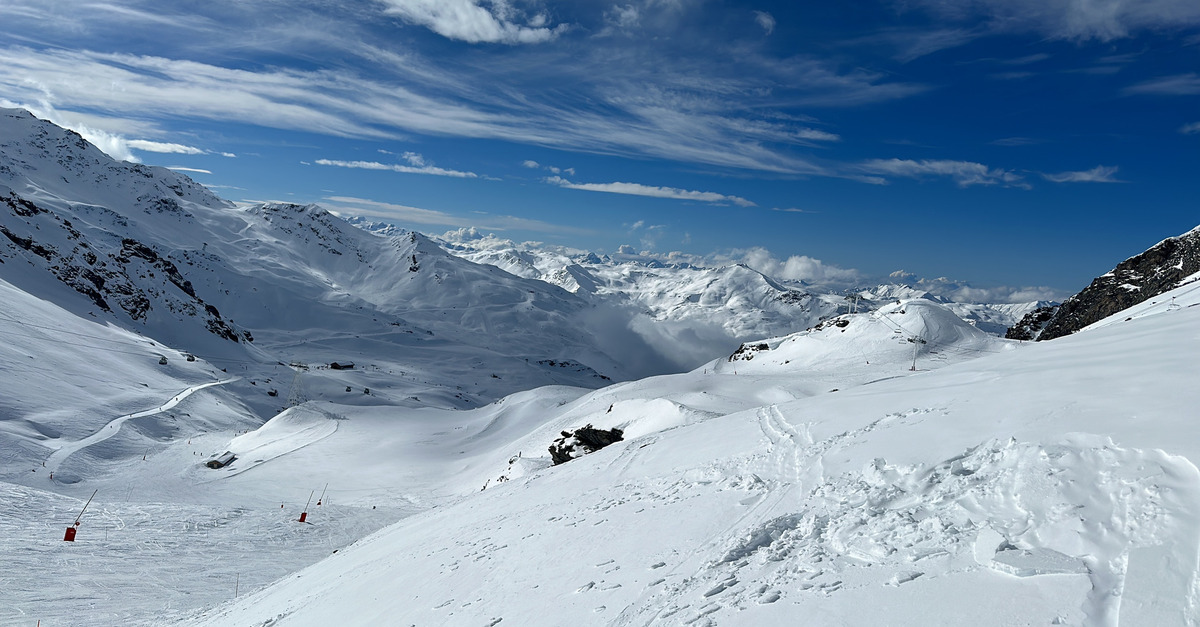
(1161, 268)
(1031, 326)
(582, 441)
(132, 279)
(747, 351)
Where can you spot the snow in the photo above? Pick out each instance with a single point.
(683, 306)
(1070, 462)
(896, 466)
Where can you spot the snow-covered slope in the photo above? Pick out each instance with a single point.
(897, 465)
(148, 249)
(1055, 484)
(68, 383)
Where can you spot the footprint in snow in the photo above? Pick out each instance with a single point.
(770, 596)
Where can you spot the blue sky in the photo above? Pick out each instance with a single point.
(1023, 146)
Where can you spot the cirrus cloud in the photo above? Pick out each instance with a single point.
(765, 20)
(365, 207)
(1102, 20)
(469, 21)
(416, 165)
(1178, 85)
(164, 147)
(637, 189)
(964, 173)
(1098, 174)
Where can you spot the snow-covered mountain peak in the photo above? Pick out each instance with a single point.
(150, 249)
(926, 333)
(41, 159)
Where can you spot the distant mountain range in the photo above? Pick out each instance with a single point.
(149, 249)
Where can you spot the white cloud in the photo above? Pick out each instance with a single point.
(637, 189)
(111, 144)
(765, 20)
(622, 17)
(1178, 85)
(377, 209)
(794, 268)
(350, 205)
(965, 173)
(414, 159)
(1098, 174)
(163, 147)
(817, 135)
(467, 20)
(179, 168)
(911, 44)
(1104, 20)
(1001, 294)
(1016, 141)
(961, 292)
(1027, 59)
(649, 235)
(550, 168)
(1188, 129)
(419, 167)
(685, 122)
(531, 164)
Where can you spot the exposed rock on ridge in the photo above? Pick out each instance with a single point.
(1161, 268)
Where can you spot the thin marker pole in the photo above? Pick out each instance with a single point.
(85, 506)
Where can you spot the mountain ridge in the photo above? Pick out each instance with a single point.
(1156, 270)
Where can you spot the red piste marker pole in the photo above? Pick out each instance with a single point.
(304, 514)
(70, 535)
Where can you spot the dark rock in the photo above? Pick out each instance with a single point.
(1139, 278)
(747, 351)
(1031, 326)
(582, 441)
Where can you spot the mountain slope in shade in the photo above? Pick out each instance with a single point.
(1161, 268)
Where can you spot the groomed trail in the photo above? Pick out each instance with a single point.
(66, 449)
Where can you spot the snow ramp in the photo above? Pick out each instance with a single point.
(291, 430)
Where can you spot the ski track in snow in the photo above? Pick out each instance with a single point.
(67, 449)
(146, 563)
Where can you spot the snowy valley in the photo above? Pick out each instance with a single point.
(791, 453)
